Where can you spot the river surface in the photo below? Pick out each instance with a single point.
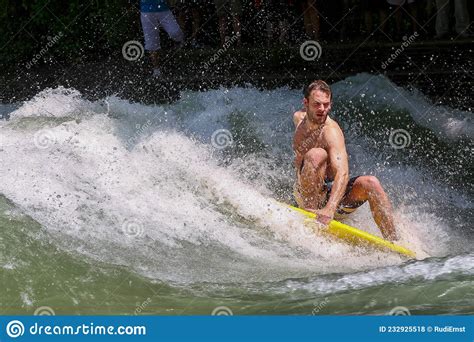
(111, 207)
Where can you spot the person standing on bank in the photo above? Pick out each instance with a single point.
(461, 14)
(224, 9)
(153, 15)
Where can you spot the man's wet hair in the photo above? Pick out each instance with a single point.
(318, 85)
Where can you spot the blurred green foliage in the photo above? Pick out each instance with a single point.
(84, 27)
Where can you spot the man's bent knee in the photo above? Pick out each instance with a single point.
(371, 184)
(316, 156)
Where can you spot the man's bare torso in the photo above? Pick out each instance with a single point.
(306, 138)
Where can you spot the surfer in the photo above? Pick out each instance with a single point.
(323, 185)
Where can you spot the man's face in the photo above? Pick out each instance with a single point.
(318, 105)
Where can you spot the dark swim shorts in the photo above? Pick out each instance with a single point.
(343, 209)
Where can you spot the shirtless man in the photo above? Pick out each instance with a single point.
(323, 185)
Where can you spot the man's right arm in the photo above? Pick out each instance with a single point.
(339, 165)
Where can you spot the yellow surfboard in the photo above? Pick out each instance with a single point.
(356, 236)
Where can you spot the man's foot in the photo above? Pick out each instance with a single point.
(157, 72)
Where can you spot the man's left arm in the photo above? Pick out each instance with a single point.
(340, 169)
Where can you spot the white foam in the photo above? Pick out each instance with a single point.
(196, 219)
(417, 271)
(378, 92)
(58, 102)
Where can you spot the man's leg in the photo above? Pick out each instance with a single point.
(413, 7)
(462, 16)
(284, 36)
(383, 20)
(181, 15)
(368, 188)
(151, 32)
(222, 28)
(236, 12)
(442, 17)
(196, 12)
(169, 23)
(237, 29)
(155, 60)
(311, 19)
(311, 178)
(398, 21)
(314, 19)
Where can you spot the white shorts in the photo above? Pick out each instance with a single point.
(151, 22)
